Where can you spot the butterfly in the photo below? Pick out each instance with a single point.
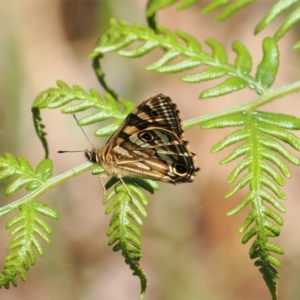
(148, 144)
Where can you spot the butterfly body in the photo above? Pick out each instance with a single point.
(149, 144)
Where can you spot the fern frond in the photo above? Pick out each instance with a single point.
(290, 21)
(182, 45)
(63, 95)
(26, 176)
(25, 227)
(261, 146)
(124, 228)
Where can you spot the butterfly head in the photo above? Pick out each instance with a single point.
(92, 155)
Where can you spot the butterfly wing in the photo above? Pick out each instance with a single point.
(149, 144)
(156, 154)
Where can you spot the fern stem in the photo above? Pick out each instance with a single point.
(47, 186)
(101, 78)
(269, 96)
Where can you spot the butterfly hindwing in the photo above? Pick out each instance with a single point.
(160, 151)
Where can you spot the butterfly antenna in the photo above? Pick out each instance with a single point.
(67, 151)
(82, 130)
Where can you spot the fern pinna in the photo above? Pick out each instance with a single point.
(27, 225)
(260, 146)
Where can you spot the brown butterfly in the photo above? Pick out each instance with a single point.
(149, 144)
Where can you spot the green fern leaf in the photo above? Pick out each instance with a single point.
(215, 4)
(146, 184)
(243, 61)
(182, 47)
(179, 67)
(267, 69)
(226, 121)
(289, 22)
(125, 224)
(228, 86)
(170, 55)
(189, 40)
(259, 136)
(209, 74)
(277, 147)
(109, 108)
(109, 129)
(219, 52)
(278, 9)
(140, 51)
(25, 226)
(233, 8)
(237, 136)
(229, 10)
(58, 97)
(282, 120)
(26, 176)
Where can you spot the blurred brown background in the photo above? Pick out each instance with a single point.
(191, 249)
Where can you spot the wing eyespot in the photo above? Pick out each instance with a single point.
(146, 137)
(179, 169)
(154, 113)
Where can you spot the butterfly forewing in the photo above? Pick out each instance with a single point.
(149, 144)
(158, 111)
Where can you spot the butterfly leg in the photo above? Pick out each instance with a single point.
(103, 187)
(121, 179)
(104, 190)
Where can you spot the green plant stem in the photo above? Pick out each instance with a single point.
(47, 186)
(101, 78)
(271, 95)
